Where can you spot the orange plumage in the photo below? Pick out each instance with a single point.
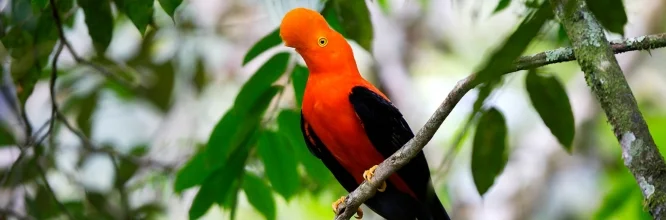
(349, 124)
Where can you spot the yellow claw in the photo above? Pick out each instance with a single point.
(341, 200)
(367, 175)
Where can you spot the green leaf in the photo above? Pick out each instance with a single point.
(126, 169)
(488, 152)
(170, 6)
(332, 19)
(299, 77)
(46, 36)
(259, 195)
(261, 81)
(199, 79)
(23, 172)
(289, 123)
(502, 5)
(229, 133)
(6, 136)
(99, 21)
(39, 3)
(66, 13)
(235, 127)
(149, 211)
(279, 163)
(99, 202)
(194, 172)
(550, 100)
(219, 184)
(267, 42)
(86, 109)
(140, 12)
(161, 91)
(45, 206)
(384, 5)
(502, 59)
(616, 198)
(22, 13)
(610, 14)
(355, 19)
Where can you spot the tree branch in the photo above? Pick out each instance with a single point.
(108, 74)
(604, 76)
(367, 189)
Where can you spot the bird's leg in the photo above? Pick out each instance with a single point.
(367, 175)
(341, 200)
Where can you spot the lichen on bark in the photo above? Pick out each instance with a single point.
(604, 76)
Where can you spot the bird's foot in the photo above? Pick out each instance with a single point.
(341, 200)
(368, 174)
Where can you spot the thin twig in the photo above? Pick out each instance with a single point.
(40, 169)
(108, 74)
(56, 114)
(367, 189)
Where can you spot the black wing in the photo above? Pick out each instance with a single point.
(388, 131)
(390, 204)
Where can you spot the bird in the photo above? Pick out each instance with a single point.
(351, 126)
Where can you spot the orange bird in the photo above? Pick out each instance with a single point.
(351, 126)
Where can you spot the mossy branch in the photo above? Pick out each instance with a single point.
(605, 78)
(409, 150)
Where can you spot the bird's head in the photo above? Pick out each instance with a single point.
(322, 48)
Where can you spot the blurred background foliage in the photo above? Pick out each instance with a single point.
(176, 109)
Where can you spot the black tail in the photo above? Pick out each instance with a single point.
(433, 208)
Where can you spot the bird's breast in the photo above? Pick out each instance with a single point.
(332, 117)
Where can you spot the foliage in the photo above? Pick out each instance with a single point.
(256, 146)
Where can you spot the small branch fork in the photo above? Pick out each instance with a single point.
(401, 157)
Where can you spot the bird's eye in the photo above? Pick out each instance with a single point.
(322, 41)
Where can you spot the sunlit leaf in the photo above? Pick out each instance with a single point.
(355, 19)
(289, 123)
(259, 195)
(501, 60)
(551, 101)
(86, 109)
(219, 183)
(488, 152)
(269, 41)
(299, 77)
(170, 6)
(616, 198)
(279, 162)
(384, 5)
(610, 13)
(503, 4)
(99, 21)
